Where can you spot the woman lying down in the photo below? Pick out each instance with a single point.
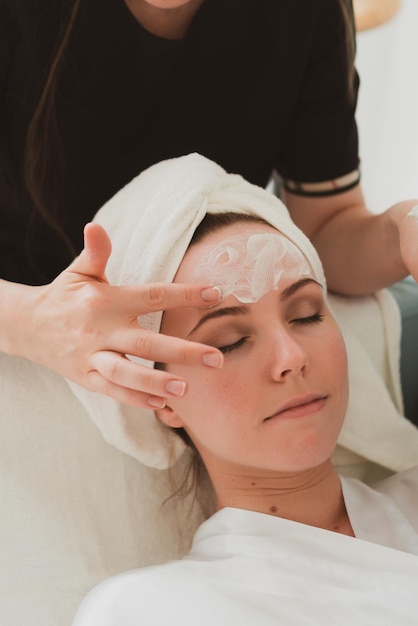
(291, 541)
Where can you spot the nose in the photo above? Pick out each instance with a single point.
(288, 356)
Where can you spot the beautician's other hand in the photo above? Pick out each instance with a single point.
(82, 327)
(408, 236)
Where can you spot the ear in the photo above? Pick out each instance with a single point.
(169, 417)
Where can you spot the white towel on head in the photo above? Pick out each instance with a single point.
(152, 219)
(151, 222)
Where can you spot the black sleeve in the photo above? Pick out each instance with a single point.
(321, 142)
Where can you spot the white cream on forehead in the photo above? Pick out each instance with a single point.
(250, 264)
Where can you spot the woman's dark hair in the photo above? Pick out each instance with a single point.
(215, 221)
(42, 158)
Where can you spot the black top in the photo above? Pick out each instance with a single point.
(255, 85)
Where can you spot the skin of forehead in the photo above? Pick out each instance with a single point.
(249, 264)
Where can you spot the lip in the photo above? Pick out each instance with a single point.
(299, 407)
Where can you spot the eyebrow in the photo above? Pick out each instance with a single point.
(243, 309)
(294, 287)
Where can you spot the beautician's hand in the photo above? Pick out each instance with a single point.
(82, 327)
(408, 236)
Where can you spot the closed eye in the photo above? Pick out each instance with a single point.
(233, 346)
(311, 319)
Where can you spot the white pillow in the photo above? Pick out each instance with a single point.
(74, 510)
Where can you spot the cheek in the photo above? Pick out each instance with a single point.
(339, 350)
(333, 354)
(221, 386)
(202, 394)
(213, 400)
(334, 367)
(212, 390)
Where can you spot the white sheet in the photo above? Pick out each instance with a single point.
(254, 569)
(74, 510)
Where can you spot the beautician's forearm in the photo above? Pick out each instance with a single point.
(360, 250)
(14, 316)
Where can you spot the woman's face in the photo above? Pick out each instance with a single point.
(279, 401)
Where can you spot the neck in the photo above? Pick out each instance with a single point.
(312, 497)
(167, 23)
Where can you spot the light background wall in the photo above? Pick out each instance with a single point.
(387, 116)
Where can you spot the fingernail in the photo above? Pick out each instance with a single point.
(213, 359)
(211, 294)
(176, 387)
(156, 402)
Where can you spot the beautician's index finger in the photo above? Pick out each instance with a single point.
(162, 296)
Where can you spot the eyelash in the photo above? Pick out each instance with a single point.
(233, 346)
(312, 319)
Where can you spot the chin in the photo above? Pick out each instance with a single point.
(305, 459)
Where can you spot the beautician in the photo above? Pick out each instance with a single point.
(92, 93)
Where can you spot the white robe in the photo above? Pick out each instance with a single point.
(250, 568)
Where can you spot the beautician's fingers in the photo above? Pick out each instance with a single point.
(137, 300)
(132, 301)
(125, 395)
(95, 255)
(123, 377)
(113, 377)
(153, 346)
(408, 237)
(63, 325)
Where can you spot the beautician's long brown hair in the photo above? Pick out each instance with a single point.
(42, 139)
(42, 158)
(350, 43)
